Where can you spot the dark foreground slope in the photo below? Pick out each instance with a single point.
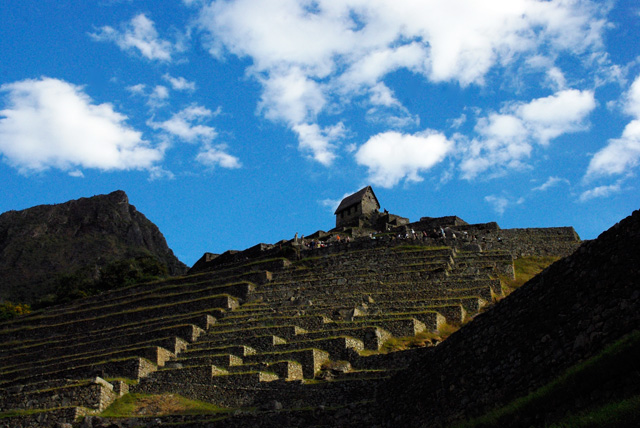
(569, 313)
(39, 243)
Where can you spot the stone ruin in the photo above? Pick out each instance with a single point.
(277, 326)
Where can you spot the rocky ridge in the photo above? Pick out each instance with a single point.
(38, 243)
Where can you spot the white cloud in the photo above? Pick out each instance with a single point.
(560, 113)
(500, 203)
(386, 109)
(551, 182)
(158, 97)
(332, 204)
(291, 97)
(392, 156)
(506, 139)
(311, 56)
(187, 125)
(137, 89)
(600, 192)
(458, 122)
(159, 173)
(139, 35)
(212, 156)
(319, 141)
(179, 83)
(50, 123)
(621, 155)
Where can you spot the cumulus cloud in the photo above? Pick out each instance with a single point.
(311, 56)
(292, 97)
(212, 156)
(560, 113)
(49, 123)
(319, 141)
(392, 156)
(506, 139)
(179, 83)
(621, 155)
(551, 182)
(601, 192)
(156, 97)
(187, 125)
(500, 203)
(139, 35)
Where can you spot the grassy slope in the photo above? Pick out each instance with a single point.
(602, 375)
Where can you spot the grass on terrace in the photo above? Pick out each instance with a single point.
(131, 405)
(525, 269)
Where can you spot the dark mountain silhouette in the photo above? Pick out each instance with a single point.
(78, 237)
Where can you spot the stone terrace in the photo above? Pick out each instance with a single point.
(305, 330)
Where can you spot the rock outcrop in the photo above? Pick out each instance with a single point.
(39, 243)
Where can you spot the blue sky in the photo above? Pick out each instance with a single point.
(230, 123)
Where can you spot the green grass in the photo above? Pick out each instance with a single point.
(624, 413)
(131, 405)
(617, 362)
(525, 269)
(24, 412)
(394, 344)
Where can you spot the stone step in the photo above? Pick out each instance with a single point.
(259, 343)
(154, 354)
(311, 360)
(130, 368)
(102, 321)
(286, 370)
(114, 336)
(151, 297)
(371, 336)
(220, 360)
(45, 417)
(211, 375)
(285, 331)
(239, 351)
(158, 300)
(173, 338)
(338, 348)
(339, 277)
(306, 322)
(94, 395)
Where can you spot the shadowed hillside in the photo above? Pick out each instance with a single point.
(40, 244)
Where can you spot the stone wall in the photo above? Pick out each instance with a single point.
(556, 241)
(96, 395)
(50, 418)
